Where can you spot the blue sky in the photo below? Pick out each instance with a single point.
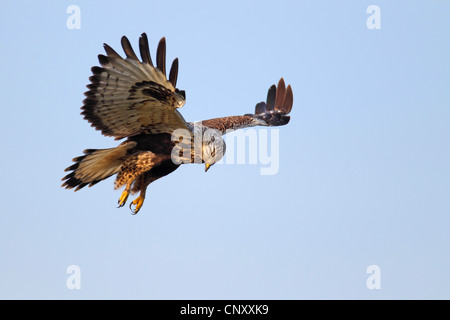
(363, 176)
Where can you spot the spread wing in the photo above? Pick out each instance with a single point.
(273, 112)
(128, 97)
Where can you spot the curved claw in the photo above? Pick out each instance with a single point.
(133, 212)
(138, 202)
(123, 199)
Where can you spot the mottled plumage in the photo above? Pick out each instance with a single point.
(131, 99)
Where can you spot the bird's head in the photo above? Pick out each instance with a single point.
(213, 147)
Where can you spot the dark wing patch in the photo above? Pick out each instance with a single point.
(153, 90)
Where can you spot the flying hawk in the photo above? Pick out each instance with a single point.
(133, 99)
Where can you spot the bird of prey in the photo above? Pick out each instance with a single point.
(133, 99)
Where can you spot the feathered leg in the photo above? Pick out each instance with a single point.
(142, 182)
(129, 175)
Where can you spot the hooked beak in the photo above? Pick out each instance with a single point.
(207, 166)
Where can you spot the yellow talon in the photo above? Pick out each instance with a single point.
(138, 202)
(123, 198)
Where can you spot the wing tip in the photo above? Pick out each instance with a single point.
(128, 49)
(161, 55)
(278, 105)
